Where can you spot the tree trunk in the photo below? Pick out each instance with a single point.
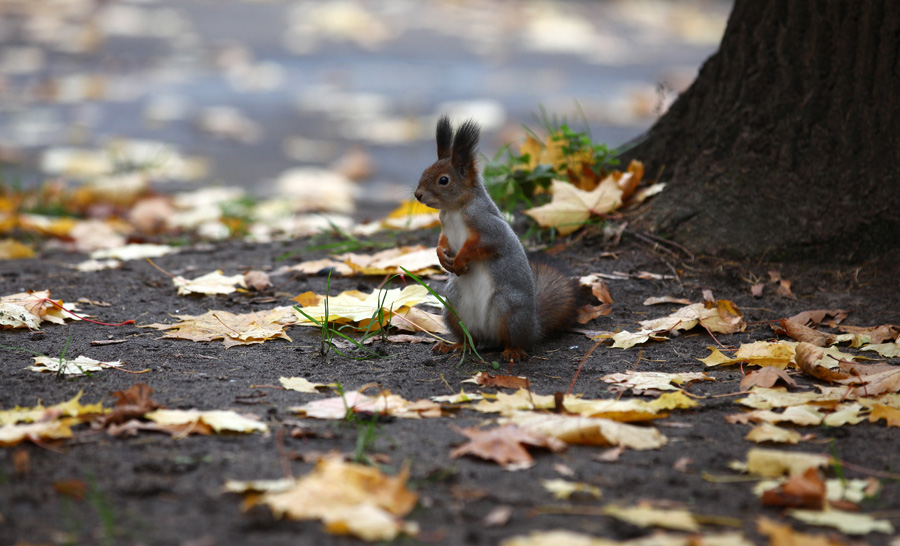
(788, 143)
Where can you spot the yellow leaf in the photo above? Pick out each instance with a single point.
(418, 260)
(384, 403)
(571, 207)
(772, 463)
(301, 384)
(353, 306)
(412, 215)
(646, 516)
(218, 420)
(349, 499)
(246, 329)
(574, 429)
(768, 432)
(784, 535)
(889, 414)
(10, 249)
(563, 489)
(641, 381)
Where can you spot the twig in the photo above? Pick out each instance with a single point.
(581, 365)
(283, 454)
(161, 270)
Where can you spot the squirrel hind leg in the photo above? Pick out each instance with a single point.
(514, 355)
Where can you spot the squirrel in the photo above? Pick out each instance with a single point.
(503, 298)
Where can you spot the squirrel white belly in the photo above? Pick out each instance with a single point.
(503, 299)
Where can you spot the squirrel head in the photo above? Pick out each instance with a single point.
(448, 183)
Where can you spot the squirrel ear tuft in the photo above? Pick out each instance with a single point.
(444, 136)
(464, 147)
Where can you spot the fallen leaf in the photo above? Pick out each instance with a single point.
(641, 382)
(418, 260)
(505, 445)
(323, 267)
(132, 403)
(10, 249)
(573, 429)
(412, 215)
(133, 252)
(851, 523)
(799, 332)
(644, 515)
(571, 207)
(889, 414)
(809, 359)
(784, 535)
(30, 309)
(821, 316)
(257, 280)
(76, 366)
(803, 491)
(771, 463)
(499, 381)
(300, 384)
(218, 420)
(720, 317)
(384, 403)
(766, 377)
(887, 350)
(209, 284)
(656, 300)
(564, 489)
(767, 432)
(246, 329)
(349, 499)
(361, 309)
(872, 335)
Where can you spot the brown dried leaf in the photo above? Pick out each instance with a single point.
(132, 403)
(257, 280)
(808, 359)
(873, 335)
(806, 491)
(799, 332)
(766, 377)
(500, 381)
(827, 317)
(505, 445)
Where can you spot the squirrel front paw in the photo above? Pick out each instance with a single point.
(514, 355)
(447, 261)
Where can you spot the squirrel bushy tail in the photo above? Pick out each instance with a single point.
(558, 296)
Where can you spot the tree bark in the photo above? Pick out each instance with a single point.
(788, 143)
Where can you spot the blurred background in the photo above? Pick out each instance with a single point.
(257, 96)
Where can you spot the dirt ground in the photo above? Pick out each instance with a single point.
(159, 490)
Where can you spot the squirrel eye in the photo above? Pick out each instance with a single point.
(443, 181)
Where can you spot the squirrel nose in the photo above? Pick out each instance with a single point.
(418, 195)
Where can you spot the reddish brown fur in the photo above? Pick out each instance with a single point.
(471, 251)
(558, 297)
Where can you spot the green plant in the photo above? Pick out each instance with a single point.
(328, 332)
(238, 214)
(513, 179)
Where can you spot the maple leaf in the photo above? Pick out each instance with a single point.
(45, 423)
(132, 403)
(767, 432)
(246, 329)
(411, 215)
(77, 366)
(384, 403)
(889, 414)
(575, 429)
(766, 377)
(353, 306)
(721, 317)
(644, 382)
(10, 249)
(30, 309)
(887, 350)
(418, 260)
(571, 207)
(217, 420)
(349, 499)
(803, 491)
(209, 284)
(505, 445)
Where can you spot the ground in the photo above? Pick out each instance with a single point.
(156, 489)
